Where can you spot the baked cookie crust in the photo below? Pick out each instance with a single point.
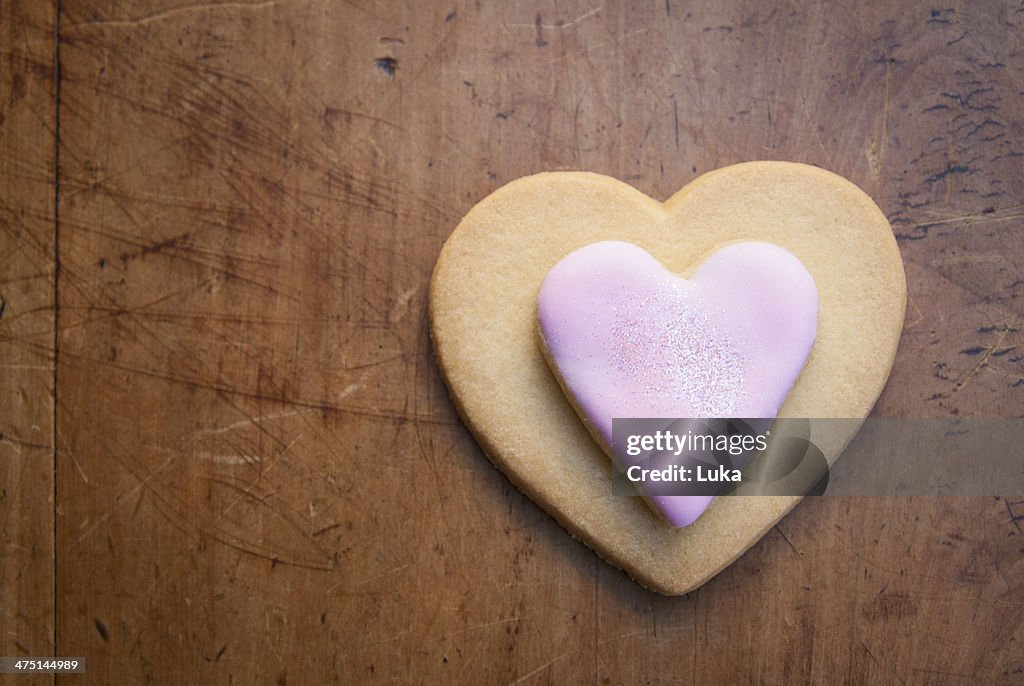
(483, 321)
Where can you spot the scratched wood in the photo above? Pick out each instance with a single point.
(260, 475)
(27, 120)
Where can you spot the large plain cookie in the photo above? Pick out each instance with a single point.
(483, 318)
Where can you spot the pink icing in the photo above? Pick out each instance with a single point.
(631, 339)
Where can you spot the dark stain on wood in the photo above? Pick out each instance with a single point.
(102, 630)
(387, 65)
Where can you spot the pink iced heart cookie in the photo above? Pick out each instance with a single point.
(483, 319)
(627, 338)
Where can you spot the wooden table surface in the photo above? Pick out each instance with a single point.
(226, 454)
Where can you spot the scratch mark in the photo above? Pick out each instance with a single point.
(876, 149)
(482, 625)
(227, 459)
(984, 217)
(321, 531)
(879, 664)
(981, 363)
(330, 112)
(172, 12)
(577, 20)
(74, 461)
(319, 405)
(382, 575)
(352, 387)
(886, 106)
(248, 422)
(956, 40)
(537, 670)
(401, 305)
(1014, 517)
(920, 315)
(591, 49)
(539, 24)
(675, 116)
(634, 634)
(183, 516)
(788, 542)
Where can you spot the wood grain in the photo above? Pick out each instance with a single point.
(27, 120)
(260, 476)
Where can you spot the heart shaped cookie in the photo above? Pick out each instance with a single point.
(627, 338)
(483, 311)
